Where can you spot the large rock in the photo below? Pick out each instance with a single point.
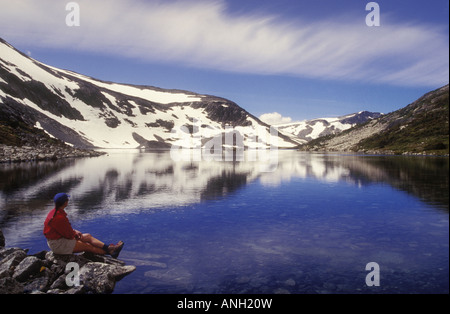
(27, 268)
(46, 272)
(12, 259)
(10, 286)
(102, 278)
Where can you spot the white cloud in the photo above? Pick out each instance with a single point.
(274, 118)
(203, 34)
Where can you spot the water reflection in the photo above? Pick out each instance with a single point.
(123, 183)
(308, 223)
(129, 181)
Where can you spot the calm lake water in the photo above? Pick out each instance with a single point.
(309, 225)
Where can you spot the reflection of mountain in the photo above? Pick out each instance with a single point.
(123, 183)
(20, 187)
(119, 183)
(412, 175)
(223, 184)
(142, 181)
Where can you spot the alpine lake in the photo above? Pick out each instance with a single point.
(306, 223)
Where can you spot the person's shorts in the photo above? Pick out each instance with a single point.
(62, 246)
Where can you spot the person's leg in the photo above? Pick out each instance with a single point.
(87, 247)
(88, 243)
(87, 238)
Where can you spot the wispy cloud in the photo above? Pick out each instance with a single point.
(204, 34)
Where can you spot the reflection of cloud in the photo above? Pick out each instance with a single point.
(204, 34)
(305, 166)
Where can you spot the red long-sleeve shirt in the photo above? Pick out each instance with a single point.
(57, 225)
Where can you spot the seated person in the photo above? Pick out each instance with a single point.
(62, 239)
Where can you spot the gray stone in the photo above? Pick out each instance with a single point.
(8, 263)
(4, 252)
(90, 257)
(40, 283)
(26, 268)
(60, 283)
(10, 286)
(63, 260)
(76, 290)
(101, 277)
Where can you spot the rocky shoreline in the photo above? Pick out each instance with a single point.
(13, 154)
(316, 149)
(49, 273)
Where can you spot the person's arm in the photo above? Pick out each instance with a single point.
(63, 227)
(78, 234)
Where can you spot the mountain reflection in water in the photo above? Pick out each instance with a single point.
(307, 223)
(128, 182)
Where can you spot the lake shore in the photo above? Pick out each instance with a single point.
(16, 154)
(371, 152)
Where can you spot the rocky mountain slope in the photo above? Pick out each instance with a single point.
(308, 130)
(419, 128)
(40, 100)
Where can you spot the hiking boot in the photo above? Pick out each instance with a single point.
(114, 249)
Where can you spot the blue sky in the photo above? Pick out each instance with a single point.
(301, 59)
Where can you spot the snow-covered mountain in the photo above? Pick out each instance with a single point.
(308, 130)
(89, 113)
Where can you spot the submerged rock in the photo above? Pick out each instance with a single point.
(46, 272)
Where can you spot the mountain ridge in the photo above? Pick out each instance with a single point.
(41, 105)
(88, 113)
(421, 127)
(305, 131)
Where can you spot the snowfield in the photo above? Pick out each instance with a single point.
(80, 109)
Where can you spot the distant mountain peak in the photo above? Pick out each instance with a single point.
(308, 130)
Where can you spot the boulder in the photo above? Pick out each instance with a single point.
(101, 278)
(11, 260)
(46, 272)
(27, 268)
(10, 286)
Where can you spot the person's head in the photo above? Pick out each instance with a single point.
(60, 199)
